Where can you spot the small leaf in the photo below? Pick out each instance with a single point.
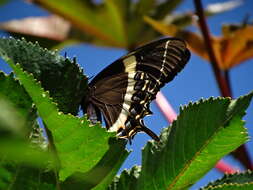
(52, 70)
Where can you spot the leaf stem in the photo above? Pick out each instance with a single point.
(227, 80)
(222, 78)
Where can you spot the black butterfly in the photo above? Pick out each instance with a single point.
(123, 91)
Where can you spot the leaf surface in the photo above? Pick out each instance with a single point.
(52, 70)
(203, 133)
(102, 174)
(16, 100)
(74, 138)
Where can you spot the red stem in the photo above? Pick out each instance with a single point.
(224, 89)
(224, 167)
(165, 107)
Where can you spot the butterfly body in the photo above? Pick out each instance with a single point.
(122, 92)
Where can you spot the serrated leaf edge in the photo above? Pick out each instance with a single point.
(212, 185)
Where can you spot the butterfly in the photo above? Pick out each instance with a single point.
(123, 91)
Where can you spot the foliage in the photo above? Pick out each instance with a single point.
(71, 153)
(204, 132)
(81, 156)
(84, 21)
(53, 70)
(68, 154)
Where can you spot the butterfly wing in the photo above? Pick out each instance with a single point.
(123, 91)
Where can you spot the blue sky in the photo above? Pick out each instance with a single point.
(194, 82)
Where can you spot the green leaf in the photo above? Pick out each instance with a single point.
(52, 70)
(236, 179)
(101, 175)
(17, 111)
(20, 159)
(204, 132)
(116, 157)
(74, 138)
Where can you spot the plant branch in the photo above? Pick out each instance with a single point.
(165, 107)
(227, 80)
(224, 167)
(222, 79)
(224, 89)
